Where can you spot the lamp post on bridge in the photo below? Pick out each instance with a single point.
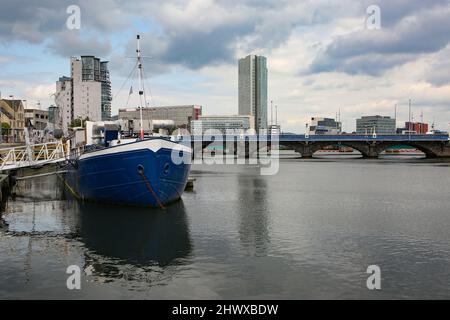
(395, 117)
(409, 125)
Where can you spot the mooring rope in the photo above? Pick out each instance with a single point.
(150, 189)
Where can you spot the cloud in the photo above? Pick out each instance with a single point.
(200, 33)
(41, 92)
(191, 33)
(197, 33)
(35, 21)
(438, 73)
(392, 11)
(374, 51)
(70, 43)
(5, 59)
(31, 21)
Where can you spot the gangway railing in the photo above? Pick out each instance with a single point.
(33, 154)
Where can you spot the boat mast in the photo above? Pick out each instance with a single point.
(141, 89)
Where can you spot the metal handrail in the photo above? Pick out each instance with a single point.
(34, 154)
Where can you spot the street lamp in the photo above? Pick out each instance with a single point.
(271, 112)
(14, 120)
(409, 125)
(1, 126)
(276, 115)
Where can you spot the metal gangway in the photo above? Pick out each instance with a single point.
(32, 155)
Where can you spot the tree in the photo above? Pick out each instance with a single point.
(75, 123)
(78, 122)
(5, 128)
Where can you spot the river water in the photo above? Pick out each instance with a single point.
(308, 232)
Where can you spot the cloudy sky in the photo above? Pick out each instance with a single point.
(321, 55)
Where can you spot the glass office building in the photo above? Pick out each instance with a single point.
(106, 91)
(375, 124)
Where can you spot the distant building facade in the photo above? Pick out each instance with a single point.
(416, 127)
(375, 124)
(253, 76)
(37, 118)
(6, 113)
(64, 103)
(324, 126)
(53, 114)
(86, 94)
(224, 124)
(6, 116)
(14, 111)
(87, 88)
(182, 116)
(106, 98)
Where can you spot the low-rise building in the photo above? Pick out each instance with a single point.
(416, 127)
(182, 116)
(37, 118)
(14, 110)
(324, 126)
(375, 125)
(224, 124)
(6, 115)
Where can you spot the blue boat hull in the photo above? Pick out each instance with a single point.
(138, 176)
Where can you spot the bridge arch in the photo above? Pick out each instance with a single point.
(317, 146)
(427, 149)
(362, 147)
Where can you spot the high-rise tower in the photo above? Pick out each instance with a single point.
(253, 89)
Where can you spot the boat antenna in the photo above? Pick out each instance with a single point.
(141, 88)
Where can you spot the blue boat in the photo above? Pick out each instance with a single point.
(140, 173)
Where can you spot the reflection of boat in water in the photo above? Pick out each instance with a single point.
(337, 152)
(134, 236)
(402, 153)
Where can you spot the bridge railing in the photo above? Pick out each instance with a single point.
(321, 138)
(25, 156)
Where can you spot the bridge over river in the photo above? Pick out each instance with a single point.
(370, 146)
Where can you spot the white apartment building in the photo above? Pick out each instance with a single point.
(86, 94)
(87, 88)
(64, 102)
